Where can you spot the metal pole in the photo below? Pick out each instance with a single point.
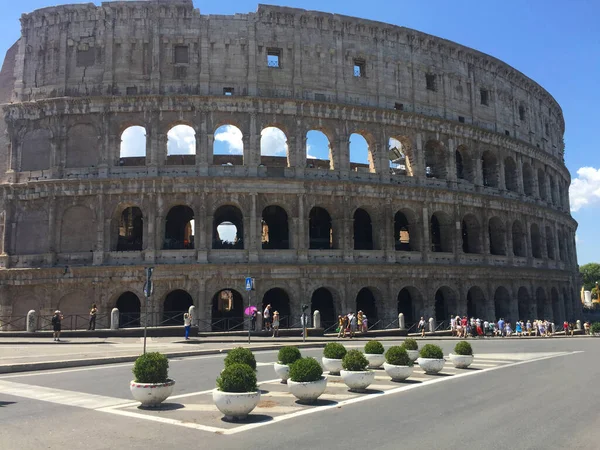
(250, 324)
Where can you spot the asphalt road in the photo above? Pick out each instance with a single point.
(548, 403)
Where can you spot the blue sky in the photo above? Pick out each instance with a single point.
(556, 43)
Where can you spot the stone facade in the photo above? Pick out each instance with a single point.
(477, 222)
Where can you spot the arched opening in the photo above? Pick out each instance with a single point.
(319, 229)
(228, 228)
(460, 170)
(36, 150)
(133, 147)
(441, 233)
(557, 316)
(366, 302)
(400, 156)
(552, 186)
(228, 146)
(82, 146)
(471, 234)
(280, 302)
(510, 175)
(363, 230)
(540, 299)
(410, 304)
(489, 169)
(129, 306)
(436, 164)
(179, 228)
(527, 180)
(273, 148)
(176, 304)
(536, 241)
(541, 175)
(78, 230)
(361, 157)
(227, 310)
(497, 234)
(318, 151)
(465, 158)
(549, 242)
(475, 302)
(131, 230)
(525, 309)
(31, 232)
(518, 239)
(406, 235)
(322, 300)
(502, 304)
(561, 245)
(445, 304)
(275, 234)
(181, 146)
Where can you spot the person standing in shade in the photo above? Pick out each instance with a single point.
(253, 321)
(276, 324)
(93, 312)
(187, 324)
(56, 325)
(267, 318)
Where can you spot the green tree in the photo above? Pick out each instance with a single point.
(590, 273)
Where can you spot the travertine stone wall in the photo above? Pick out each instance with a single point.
(483, 145)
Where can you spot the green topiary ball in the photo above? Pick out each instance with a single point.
(240, 355)
(237, 377)
(595, 328)
(431, 351)
(354, 361)
(287, 355)
(410, 344)
(305, 369)
(333, 350)
(151, 368)
(397, 356)
(463, 348)
(374, 347)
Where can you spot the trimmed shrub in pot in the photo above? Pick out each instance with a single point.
(332, 357)
(595, 329)
(462, 356)
(306, 380)
(374, 354)
(237, 393)
(286, 356)
(151, 385)
(412, 348)
(355, 373)
(431, 359)
(240, 355)
(398, 364)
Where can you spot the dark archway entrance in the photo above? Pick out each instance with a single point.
(475, 302)
(129, 306)
(365, 302)
(363, 230)
(176, 304)
(275, 233)
(280, 301)
(322, 300)
(131, 230)
(320, 230)
(502, 304)
(179, 230)
(525, 310)
(406, 306)
(227, 310)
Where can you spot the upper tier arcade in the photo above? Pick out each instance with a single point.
(161, 47)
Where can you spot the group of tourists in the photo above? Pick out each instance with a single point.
(462, 327)
(270, 320)
(352, 323)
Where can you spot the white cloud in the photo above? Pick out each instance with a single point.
(232, 138)
(181, 140)
(133, 142)
(585, 189)
(308, 155)
(273, 142)
(227, 232)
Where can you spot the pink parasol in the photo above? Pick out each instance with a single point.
(250, 310)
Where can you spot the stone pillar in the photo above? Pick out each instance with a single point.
(31, 321)
(114, 319)
(432, 325)
(401, 323)
(302, 244)
(426, 244)
(259, 321)
(210, 143)
(253, 247)
(317, 319)
(193, 315)
(343, 156)
(501, 174)
(519, 174)
(451, 160)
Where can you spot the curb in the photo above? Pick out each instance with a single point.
(50, 365)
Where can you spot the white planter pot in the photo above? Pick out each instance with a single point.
(398, 373)
(461, 361)
(282, 371)
(413, 354)
(332, 365)
(375, 360)
(430, 365)
(235, 405)
(151, 394)
(308, 391)
(359, 380)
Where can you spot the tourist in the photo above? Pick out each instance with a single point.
(528, 327)
(566, 327)
(365, 324)
(352, 325)
(453, 325)
(56, 325)
(253, 320)
(586, 327)
(486, 326)
(275, 324)
(341, 327)
(93, 312)
(359, 320)
(187, 324)
(267, 317)
(508, 329)
(421, 327)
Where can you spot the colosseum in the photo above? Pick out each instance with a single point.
(458, 203)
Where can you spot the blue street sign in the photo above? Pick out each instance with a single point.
(249, 284)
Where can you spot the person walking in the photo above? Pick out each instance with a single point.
(352, 325)
(275, 324)
(56, 325)
(93, 312)
(341, 327)
(187, 324)
(421, 327)
(267, 317)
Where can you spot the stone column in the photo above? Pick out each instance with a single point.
(451, 160)
(302, 244)
(253, 241)
(501, 174)
(426, 243)
(203, 151)
(343, 157)
(519, 175)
